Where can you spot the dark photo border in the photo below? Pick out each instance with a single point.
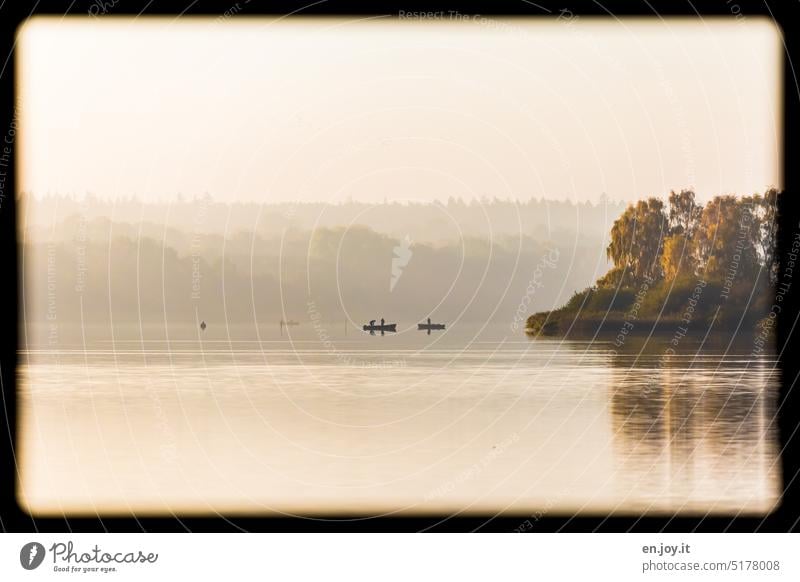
(785, 518)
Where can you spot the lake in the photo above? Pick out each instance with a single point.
(317, 419)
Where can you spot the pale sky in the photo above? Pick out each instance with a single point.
(374, 109)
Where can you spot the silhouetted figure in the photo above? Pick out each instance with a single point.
(203, 325)
(382, 327)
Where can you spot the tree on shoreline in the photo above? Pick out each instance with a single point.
(729, 236)
(678, 255)
(637, 239)
(726, 236)
(659, 255)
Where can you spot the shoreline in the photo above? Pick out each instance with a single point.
(617, 326)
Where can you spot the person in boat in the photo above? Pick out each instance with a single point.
(372, 323)
(382, 322)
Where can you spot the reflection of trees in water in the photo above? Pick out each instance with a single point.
(694, 433)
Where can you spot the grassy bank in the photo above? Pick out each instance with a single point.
(687, 307)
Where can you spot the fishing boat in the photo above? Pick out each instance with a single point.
(429, 326)
(382, 327)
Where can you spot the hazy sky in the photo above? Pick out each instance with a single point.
(328, 109)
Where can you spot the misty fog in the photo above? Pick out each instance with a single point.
(100, 262)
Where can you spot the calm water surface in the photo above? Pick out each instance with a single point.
(471, 421)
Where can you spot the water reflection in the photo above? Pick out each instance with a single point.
(487, 427)
(696, 435)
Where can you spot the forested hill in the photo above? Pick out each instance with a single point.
(96, 262)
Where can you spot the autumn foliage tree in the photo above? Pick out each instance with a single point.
(766, 230)
(637, 239)
(678, 255)
(680, 266)
(727, 239)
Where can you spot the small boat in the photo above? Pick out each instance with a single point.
(382, 327)
(429, 326)
(379, 327)
(290, 322)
